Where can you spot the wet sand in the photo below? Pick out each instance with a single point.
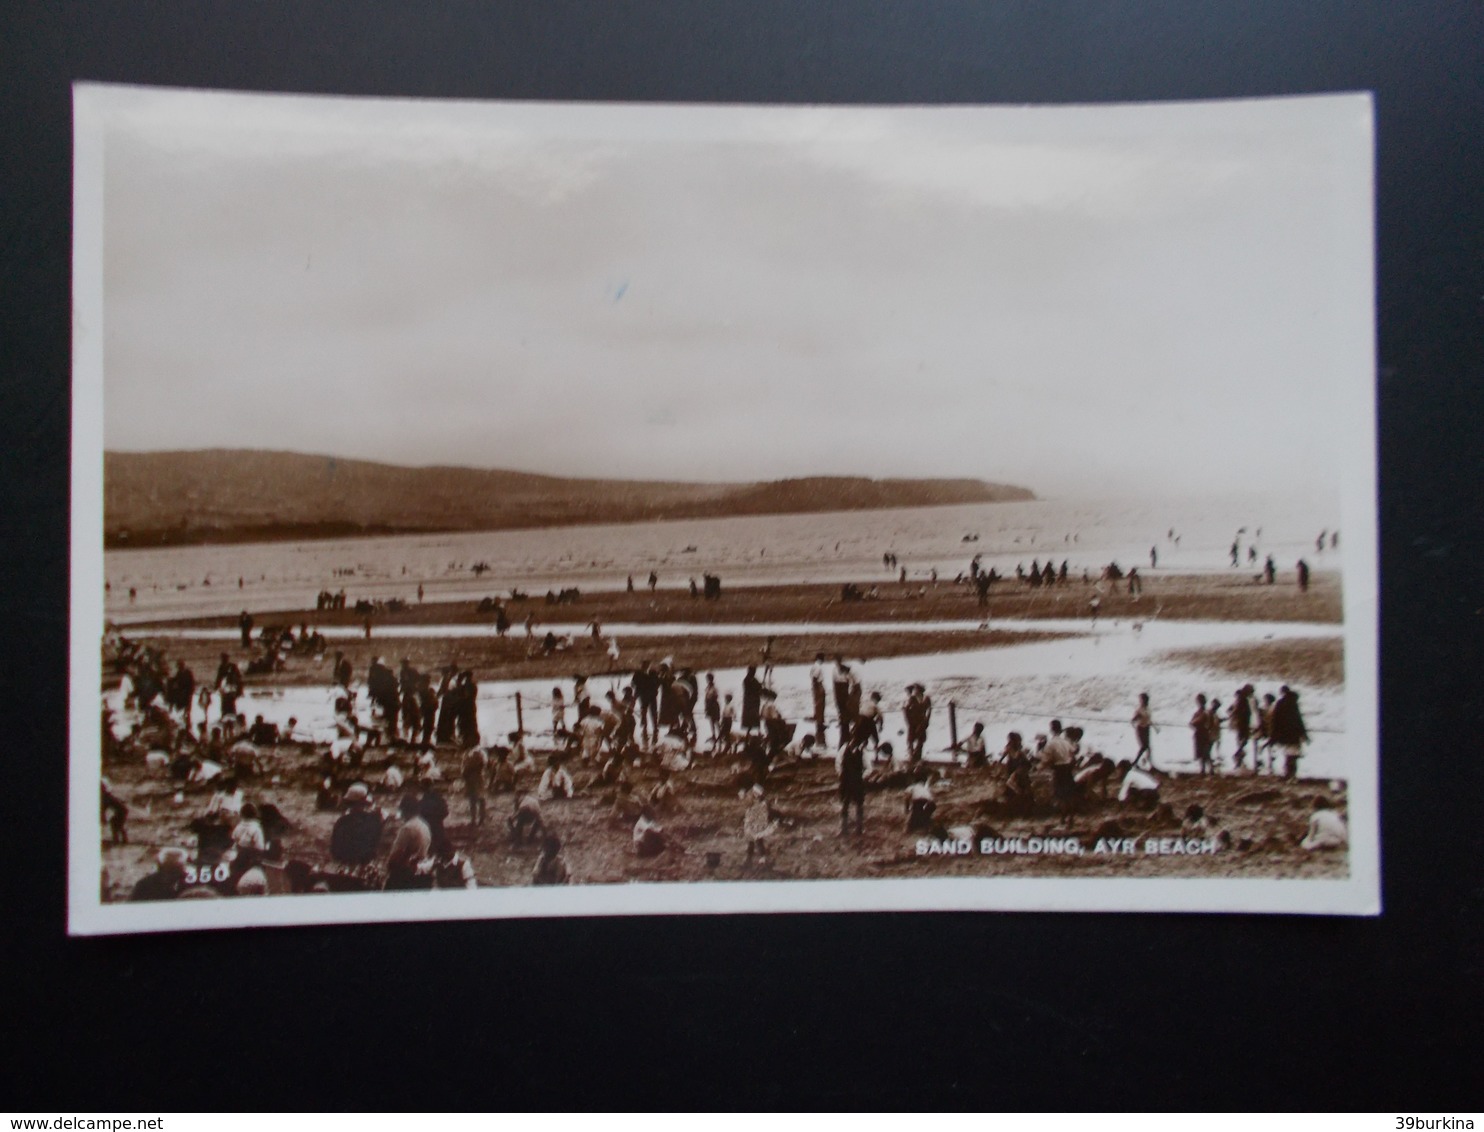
(1231, 595)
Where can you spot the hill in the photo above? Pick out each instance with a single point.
(229, 495)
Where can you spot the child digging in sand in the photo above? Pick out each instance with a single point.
(758, 823)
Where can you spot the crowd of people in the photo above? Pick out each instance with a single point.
(403, 738)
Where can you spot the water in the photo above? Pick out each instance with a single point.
(768, 549)
(1092, 680)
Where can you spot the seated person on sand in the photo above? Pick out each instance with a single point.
(520, 758)
(411, 848)
(116, 814)
(676, 750)
(1139, 788)
(427, 767)
(590, 731)
(1327, 829)
(1015, 750)
(1093, 773)
(1196, 825)
(918, 803)
(262, 734)
(167, 880)
(227, 802)
(525, 818)
(1018, 794)
(662, 798)
(613, 773)
(244, 759)
(649, 836)
(501, 774)
(555, 781)
(357, 831)
(626, 807)
(759, 821)
(392, 778)
(551, 868)
(248, 837)
(800, 749)
(974, 749)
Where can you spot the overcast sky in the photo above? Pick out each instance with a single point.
(1166, 299)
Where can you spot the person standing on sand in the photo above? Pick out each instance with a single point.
(842, 699)
(852, 770)
(713, 706)
(1264, 740)
(752, 690)
(918, 712)
(1143, 722)
(1303, 576)
(654, 581)
(1153, 557)
(1200, 733)
(1239, 717)
(1270, 571)
(646, 687)
(726, 725)
(1287, 731)
(817, 694)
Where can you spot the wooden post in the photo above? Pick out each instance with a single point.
(520, 722)
(953, 726)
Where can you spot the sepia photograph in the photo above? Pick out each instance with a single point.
(548, 509)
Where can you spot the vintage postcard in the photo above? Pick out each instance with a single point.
(531, 509)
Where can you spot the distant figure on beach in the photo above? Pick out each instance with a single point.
(244, 624)
(1143, 724)
(631, 584)
(1334, 540)
(1135, 583)
(1153, 557)
(654, 581)
(1270, 571)
(419, 591)
(1236, 552)
(1319, 542)
(1303, 575)
(1251, 555)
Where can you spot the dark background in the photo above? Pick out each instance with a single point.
(941, 1010)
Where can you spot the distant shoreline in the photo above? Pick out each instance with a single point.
(167, 538)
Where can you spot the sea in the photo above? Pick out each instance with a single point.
(1189, 535)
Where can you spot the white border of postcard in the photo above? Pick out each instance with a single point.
(1357, 894)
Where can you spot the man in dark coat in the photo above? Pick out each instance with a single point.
(752, 699)
(1286, 730)
(357, 832)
